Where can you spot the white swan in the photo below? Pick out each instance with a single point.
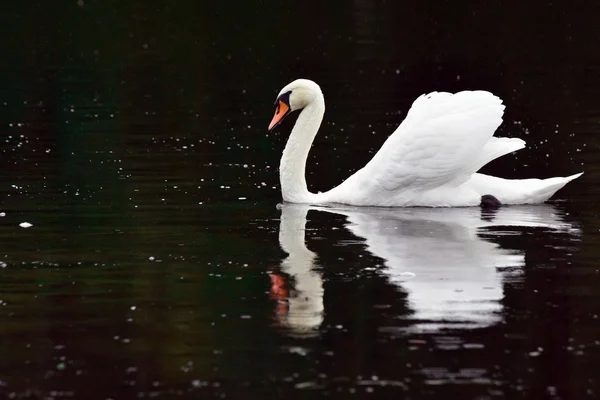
(430, 160)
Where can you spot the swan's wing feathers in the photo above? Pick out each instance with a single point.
(439, 142)
(497, 147)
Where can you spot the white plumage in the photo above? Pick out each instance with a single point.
(431, 159)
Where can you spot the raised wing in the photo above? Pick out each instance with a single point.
(442, 141)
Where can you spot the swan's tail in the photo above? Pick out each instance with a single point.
(519, 191)
(545, 188)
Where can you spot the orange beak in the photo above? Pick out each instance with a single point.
(280, 112)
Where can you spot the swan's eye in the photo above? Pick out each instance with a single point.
(285, 98)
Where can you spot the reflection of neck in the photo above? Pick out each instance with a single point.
(291, 234)
(306, 301)
(293, 162)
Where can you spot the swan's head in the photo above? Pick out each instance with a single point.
(294, 96)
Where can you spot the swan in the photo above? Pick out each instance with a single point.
(430, 160)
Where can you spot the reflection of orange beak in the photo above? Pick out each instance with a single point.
(279, 293)
(280, 112)
(278, 290)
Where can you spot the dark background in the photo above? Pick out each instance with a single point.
(212, 70)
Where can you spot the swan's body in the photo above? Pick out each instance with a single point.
(430, 160)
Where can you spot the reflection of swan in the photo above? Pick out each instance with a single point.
(455, 277)
(436, 255)
(430, 160)
(304, 309)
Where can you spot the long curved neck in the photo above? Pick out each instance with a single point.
(293, 162)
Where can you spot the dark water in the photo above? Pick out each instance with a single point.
(158, 264)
